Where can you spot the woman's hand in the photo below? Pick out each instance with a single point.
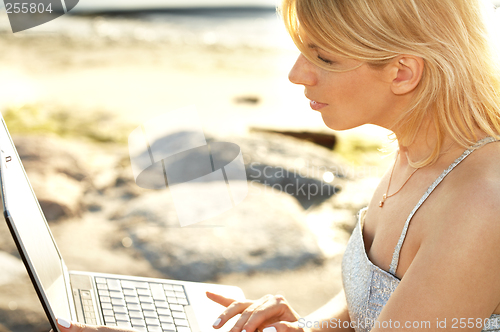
(66, 326)
(271, 313)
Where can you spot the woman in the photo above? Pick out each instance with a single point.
(425, 253)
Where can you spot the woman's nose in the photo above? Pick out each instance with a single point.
(302, 72)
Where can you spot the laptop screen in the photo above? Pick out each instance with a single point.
(33, 233)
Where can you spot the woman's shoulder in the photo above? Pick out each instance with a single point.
(473, 197)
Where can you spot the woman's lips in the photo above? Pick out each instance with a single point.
(316, 105)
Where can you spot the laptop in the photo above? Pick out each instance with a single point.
(144, 304)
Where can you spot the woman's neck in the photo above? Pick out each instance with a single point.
(424, 144)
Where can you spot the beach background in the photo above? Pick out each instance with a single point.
(74, 88)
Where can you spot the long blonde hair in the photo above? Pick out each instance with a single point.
(460, 87)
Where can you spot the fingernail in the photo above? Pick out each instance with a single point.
(64, 323)
(217, 322)
(269, 329)
(244, 331)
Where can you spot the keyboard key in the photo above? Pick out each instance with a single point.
(144, 292)
(177, 314)
(152, 321)
(110, 324)
(100, 280)
(181, 322)
(106, 305)
(170, 293)
(124, 324)
(138, 322)
(114, 284)
(161, 304)
(136, 314)
(103, 292)
(146, 299)
(119, 302)
(162, 311)
(141, 328)
(183, 329)
(102, 286)
(166, 319)
(109, 319)
(168, 287)
(132, 299)
(108, 312)
(176, 307)
(120, 309)
(150, 314)
(129, 292)
(148, 306)
(131, 284)
(127, 284)
(172, 299)
(182, 301)
(157, 292)
(168, 326)
(154, 329)
(89, 315)
(180, 294)
(132, 306)
(116, 294)
(105, 298)
(179, 288)
(122, 317)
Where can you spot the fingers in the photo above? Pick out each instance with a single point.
(269, 310)
(256, 307)
(225, 301)
(232, 310)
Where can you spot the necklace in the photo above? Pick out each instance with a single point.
(386, 196)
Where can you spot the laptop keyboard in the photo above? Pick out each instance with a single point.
(143, 306)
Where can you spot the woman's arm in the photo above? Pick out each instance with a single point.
(452, 282)
(334, 314)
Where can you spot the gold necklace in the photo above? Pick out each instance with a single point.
(385, 196)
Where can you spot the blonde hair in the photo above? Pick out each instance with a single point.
(459, 89)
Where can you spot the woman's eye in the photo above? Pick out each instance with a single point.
(329, 62)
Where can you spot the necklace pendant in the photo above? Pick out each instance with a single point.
(381, 203)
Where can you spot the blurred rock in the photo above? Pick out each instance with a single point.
(264, 233)
(20, 309)
(55, 173)
(323, 139)
(12, 268)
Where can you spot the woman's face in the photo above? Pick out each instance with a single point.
(346, 99)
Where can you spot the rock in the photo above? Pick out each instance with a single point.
(12, 268)
(20, 309)
(323, 139)
(55, 173)
(266, 232)
(291, 165)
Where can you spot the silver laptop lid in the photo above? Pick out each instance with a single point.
(31, 233)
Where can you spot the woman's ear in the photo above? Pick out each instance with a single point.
(406, 73)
